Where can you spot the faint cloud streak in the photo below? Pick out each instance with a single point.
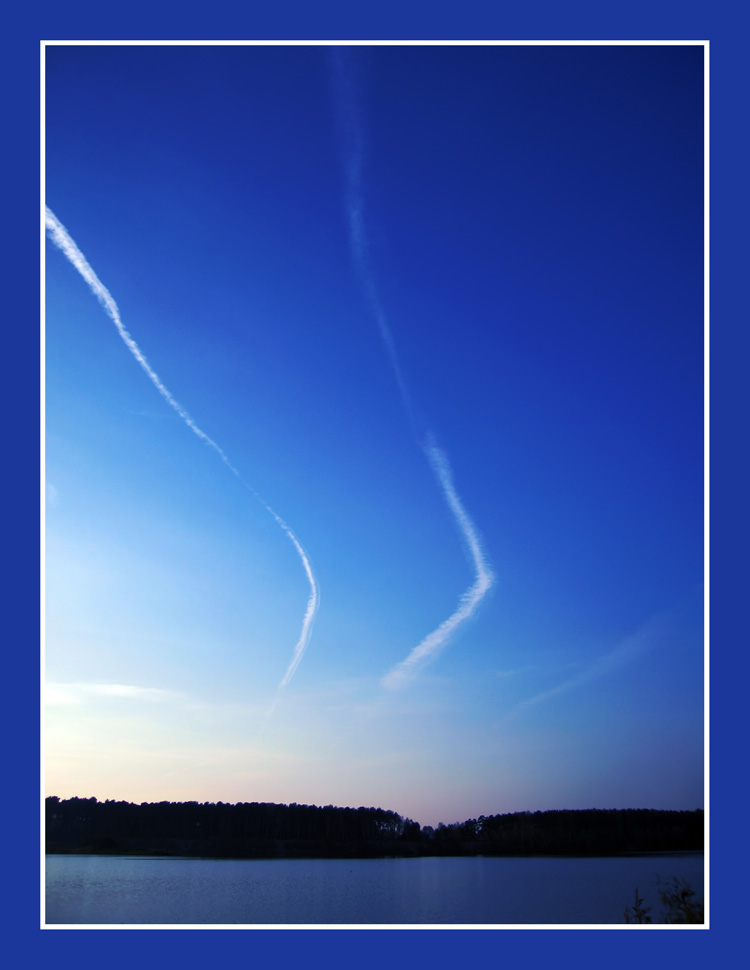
(351, 129)
(66, 694)
(60, 236)
(628, 650)
(484, 578)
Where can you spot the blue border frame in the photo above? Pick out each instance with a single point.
(340, 19)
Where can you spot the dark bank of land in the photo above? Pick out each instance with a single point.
(253, 830)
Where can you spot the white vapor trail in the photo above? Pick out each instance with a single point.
(629, 649)
(352, 133)
(60, 236)
(434, 642)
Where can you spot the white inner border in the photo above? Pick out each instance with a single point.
(706, 475)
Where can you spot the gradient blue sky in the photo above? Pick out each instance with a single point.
(533, 223)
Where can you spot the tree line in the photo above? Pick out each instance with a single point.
(269, 830)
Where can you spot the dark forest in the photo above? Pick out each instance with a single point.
(261, 830)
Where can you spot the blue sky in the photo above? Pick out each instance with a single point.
(530, 241)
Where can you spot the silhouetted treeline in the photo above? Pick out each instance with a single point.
(567, 832)
(244, 830)
(267, 830)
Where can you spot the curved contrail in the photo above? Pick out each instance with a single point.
(62, 239)
(352, 135)
(312, 604)
(435, 641)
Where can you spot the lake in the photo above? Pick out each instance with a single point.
(115, 890)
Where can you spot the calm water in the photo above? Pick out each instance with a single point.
(132, 889)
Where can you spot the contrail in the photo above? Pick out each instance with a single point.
(312, 604)
(352, 135)
(433, 642)
(631, 648)
(62, 239)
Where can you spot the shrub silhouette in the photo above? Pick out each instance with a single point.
(678, 905)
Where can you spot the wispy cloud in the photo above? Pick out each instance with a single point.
(352, 135)
(60, 236)
(435, 641)
(62, 239)
(312, 605)
(628, 650)
(64, 694)
(509, 673)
